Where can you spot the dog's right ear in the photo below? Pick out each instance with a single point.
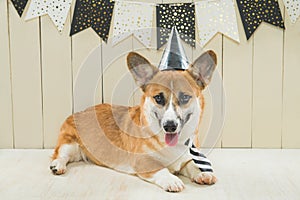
(140, 68)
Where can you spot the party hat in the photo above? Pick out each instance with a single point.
(174, 57)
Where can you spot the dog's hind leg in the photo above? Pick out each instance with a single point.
(67, 149)
(66, 153)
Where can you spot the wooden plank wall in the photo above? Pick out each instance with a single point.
(39, 70)
(6, 120)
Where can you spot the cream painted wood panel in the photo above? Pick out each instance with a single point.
(82, 45)
(291, 82)
(118, 85)
(210, 135)
(6, 127)
(26, 81)
(267, 86)
(56, 78)
(237, 75)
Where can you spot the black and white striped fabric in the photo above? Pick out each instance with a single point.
(199, 158)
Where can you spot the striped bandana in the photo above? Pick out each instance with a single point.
(199, 158)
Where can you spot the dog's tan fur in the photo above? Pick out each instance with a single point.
(168, 82)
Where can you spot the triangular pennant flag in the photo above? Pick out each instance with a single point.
(214, 17)
(253, 13)
(133, 18)
(181, 15)
(56, 9)
(293, 9)
(93, 13)
(19, 5)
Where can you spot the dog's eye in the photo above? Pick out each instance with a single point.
(184, 99)
(159, 99)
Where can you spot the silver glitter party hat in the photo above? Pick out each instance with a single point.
(174, 57)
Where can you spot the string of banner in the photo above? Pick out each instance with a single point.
(136, 18)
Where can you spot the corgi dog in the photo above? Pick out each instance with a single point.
(147, 140)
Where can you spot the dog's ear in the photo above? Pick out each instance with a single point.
(203, 67)
(140, 68)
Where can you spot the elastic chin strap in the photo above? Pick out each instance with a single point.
(198, 158)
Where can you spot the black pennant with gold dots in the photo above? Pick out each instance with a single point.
(93, 13)
(254, 12)
(181, 15)
(19, 5)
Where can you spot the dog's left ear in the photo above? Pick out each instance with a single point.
(140, 68)
(203, 67)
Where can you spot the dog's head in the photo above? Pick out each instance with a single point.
(172, 101)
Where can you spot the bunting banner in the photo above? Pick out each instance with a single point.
(293, 9)
(132, 18)
(96, 14)
(216, 16)
(136, 18)
(19, 6)
(56, 9)
(253, 13)
(181, 15)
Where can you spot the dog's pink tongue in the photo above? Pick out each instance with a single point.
(171, 139)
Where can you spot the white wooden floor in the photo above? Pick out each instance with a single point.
(242, 174)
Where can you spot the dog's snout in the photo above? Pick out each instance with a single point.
(170, 126)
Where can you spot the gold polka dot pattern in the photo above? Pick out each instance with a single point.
(56, 9)
(181, 15)
(293, 9)
(214, 17)
(133, 18)
(19, 5)
(253, 12)
(93, 13)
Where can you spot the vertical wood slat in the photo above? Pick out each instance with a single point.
(267, 87)
(117, 82)
(56, 78)
(26, 81)
(291, 82)
(6, 123)
(237, 75)
(207, 132)
(83, 44)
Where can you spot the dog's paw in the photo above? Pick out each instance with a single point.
(205, 178)
(171, 183)
(58, 167)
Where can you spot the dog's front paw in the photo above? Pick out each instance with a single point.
(58, 167)
(205, 178)
(171, 183)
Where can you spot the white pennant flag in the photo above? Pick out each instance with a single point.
(133, 18)
(293, 9)
(56, 9)
(216, 16)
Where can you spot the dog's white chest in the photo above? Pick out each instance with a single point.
(179, 163)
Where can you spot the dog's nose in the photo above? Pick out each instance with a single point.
(170, 126)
